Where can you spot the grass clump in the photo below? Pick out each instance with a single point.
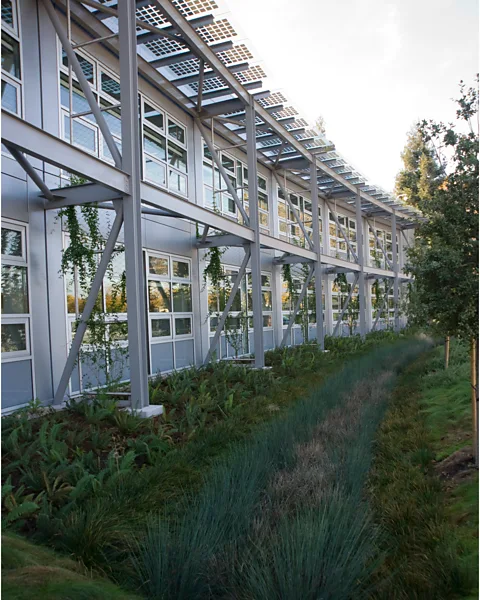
(247, 535)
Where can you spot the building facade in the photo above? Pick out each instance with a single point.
(185, 206)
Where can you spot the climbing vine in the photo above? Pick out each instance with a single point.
(102, 348)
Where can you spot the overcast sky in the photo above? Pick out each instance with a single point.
(371, 68)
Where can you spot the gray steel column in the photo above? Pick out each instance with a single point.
(255, 245)
(318, 251)
(396, 322)
(361, 279)
(136, 310)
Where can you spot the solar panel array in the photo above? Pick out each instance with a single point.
(174, 59)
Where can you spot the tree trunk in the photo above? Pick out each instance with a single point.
(474, 384)
(447, 351)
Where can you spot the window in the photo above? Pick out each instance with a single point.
(387, 311)
(288, 226)
(169, 293)
(218, 198)
(240, 317)
(15, 293)
(111, 301)
(340, 291)
(337, 243)
(83, 131)
(376, 255)
(165, 150)
(307, 311)
(11, 59)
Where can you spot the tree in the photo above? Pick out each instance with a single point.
(441, 179)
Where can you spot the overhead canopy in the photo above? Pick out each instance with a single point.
(205, 69)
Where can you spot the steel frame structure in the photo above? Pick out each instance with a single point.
(238, 117)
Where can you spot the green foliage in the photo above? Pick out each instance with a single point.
(444, 259)
(425, 555)
(214, 550)
(80, 258)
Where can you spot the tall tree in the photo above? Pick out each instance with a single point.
(441, 179)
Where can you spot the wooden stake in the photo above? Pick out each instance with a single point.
(447, 351)
(474, 384)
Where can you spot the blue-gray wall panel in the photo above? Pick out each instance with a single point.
(162, 357)
(17, 384)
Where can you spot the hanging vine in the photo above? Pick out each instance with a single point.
(103, 348)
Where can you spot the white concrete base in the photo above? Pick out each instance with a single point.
(148, 412)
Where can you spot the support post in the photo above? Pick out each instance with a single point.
(89, 304)
(396, 321)
(318, 250)
(361, 278)
(228, 306)
(255, 245)
(300, 298)
(136, 309)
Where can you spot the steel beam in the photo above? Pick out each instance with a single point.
(300, 298)
(132, 205)
(216, 241)
(255, 245)
(188, 55)
(89, 305)
(317, 248)
(32, 173)
(361, 262)
(31, 140)
(228, 306)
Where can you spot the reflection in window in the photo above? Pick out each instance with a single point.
(159, 296)
(183, 326)
(182, 297)
(14, 290)
(11, 242)
(160, 328)
(14, 337)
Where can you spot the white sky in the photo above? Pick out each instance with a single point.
(371, 68)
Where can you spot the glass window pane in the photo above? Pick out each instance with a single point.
(228, 163)
(228, 204)
(177, 157)
(177, 182)
(10, 55)
(155, 172)
(9, 97)
(110, 86)
(7, 12)
(181, 269)
(176, 131)
(161, 328)
(87, 67)
(182, 297)
(183, 326)
(14, 290)
(70, 290)
(153, 116)
(266, 281)
(154, 144)
(159, 296)
(158, 266)
(262, 183)
(106, 151)
(115, 290)
(267, 300)
(11, 242)
(118, 332)
(262, 201)
(113, 118)
(267, 320)
(14, 337)
(82, 135)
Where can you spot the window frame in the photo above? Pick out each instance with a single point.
(16, 82)
(19, 318)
